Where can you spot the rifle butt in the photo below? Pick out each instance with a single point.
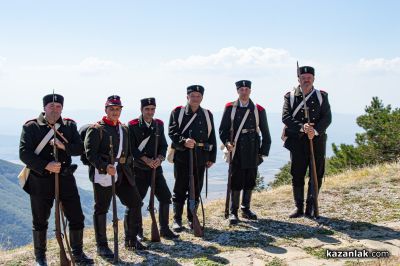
(198, 232)
(155, 234)
(315, 180)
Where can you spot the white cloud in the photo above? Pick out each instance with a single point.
(233, 58)
(380, 64)
(89, 65)
(94, 65)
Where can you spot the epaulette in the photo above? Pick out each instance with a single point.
(96, 125)
(178, 107)
(229, 104)
(68, 119)
(323, 91)
(134, 122)
(160, 122)
(260, 108)
(31, 120)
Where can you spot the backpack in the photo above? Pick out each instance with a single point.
(82, 132)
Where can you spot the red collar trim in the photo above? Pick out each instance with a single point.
(109, 122)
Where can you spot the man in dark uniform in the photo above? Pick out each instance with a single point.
(142, 133)
(298, 132)
(190, 127)
(36, 151)
(247, 150)
(97, 147)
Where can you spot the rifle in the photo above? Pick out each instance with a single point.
(155, 234)
(228, 186)
(114, 205)
(206, 182)
(198, 231)
(64, 261)
(312, 157)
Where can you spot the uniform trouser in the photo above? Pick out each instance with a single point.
(129, 196)
(41, 209)
(243, 178)
(143, 182)
(300, 157)
(181, 186)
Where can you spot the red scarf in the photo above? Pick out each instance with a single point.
(109, 122)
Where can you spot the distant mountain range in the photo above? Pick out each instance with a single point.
(15, 209)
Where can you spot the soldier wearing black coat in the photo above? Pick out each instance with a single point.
(40, 183)
(142, 135)
(196, 136)
(249, 149)
(97, 148)
(297, 133)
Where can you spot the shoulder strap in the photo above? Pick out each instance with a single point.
(240, 129)
(319, 96)
(291, 98)
(100, 128)
(301, 104)
(233, 112)
(45, 140)
(143, 143)
(257, 117)
(209, 126)
(189, 123)
(180, 117)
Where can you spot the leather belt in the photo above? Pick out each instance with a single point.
(246, 130)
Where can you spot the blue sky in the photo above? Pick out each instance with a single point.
(88, 50)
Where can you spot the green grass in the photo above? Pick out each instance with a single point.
(276, 262)
(204, 261)
(319, 253)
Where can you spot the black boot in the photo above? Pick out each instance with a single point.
(189, 215)
(39, 245)
(178, 210)
(163, 218)
(309, 213)
(140, 235)
(235, 199)
(309, 205)
(76, 240)
(298, 195)
(99, 223)
(246, 212)
(131, 227)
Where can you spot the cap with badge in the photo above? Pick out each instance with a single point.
(195, 88)
(113, 100)
(243, 83)
(49, 98)
(148, 101)
(306, 70)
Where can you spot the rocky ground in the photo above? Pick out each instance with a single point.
(359, 210)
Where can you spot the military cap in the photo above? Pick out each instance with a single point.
(50, 97)
(147, 101)
(193, 88)
(243, 83)
(306, 70)
(113, 100)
